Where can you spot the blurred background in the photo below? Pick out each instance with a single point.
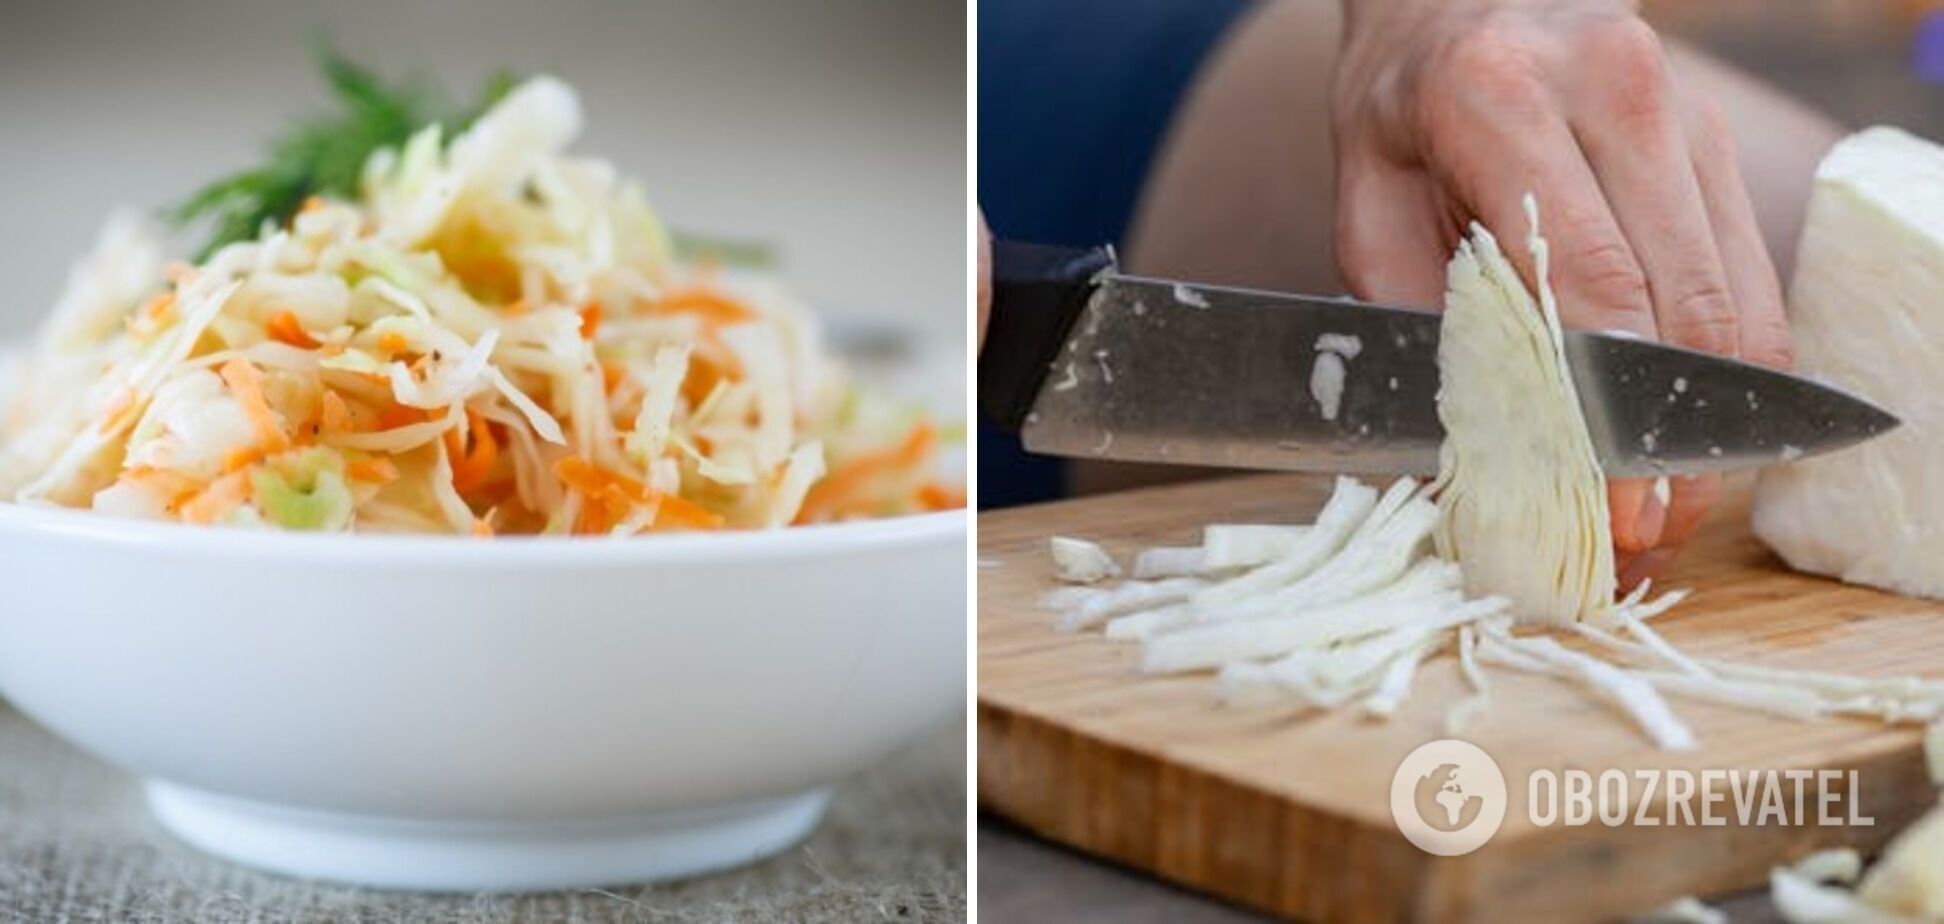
(1859, 61)
(834, 130)
(1862, 61)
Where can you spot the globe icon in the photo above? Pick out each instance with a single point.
(1442, 802)
(1448, 797)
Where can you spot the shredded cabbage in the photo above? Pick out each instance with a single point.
(1348, 607)
(493, 337)
(1520, 490)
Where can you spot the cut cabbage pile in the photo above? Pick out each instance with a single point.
(493, 338)
(1345, 609)
(1523, 500)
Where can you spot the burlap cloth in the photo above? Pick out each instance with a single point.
(77, 844)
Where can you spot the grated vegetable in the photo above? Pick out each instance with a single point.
(487, 337)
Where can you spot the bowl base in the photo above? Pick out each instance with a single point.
(460, 856)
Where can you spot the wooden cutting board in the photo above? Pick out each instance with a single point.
(1290, 813)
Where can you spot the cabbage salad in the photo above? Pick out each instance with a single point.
(486, 336)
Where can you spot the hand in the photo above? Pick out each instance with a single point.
(1447, 111)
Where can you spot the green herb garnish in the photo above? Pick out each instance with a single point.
(325, 155)
(692, 247)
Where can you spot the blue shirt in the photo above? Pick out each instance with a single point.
(1074, 99)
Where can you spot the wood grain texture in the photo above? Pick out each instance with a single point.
(1290, 812)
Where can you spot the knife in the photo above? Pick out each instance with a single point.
(1083, 360)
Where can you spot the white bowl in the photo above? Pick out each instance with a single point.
(438, 713)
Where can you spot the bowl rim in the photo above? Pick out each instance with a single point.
(239, 543)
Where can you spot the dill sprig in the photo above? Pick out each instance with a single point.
(691, 246)
(324, 155)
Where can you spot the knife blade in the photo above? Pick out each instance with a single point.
(1164, 371)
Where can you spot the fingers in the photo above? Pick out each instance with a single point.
(1669, 169)
(1636, 514)
(1634, 552)
(1392, 237)
(1751, 273)
(1635, 141)
(1637, 568)
(1757, 295)
(1689, 499)
(1630, 129)
(1498, 135)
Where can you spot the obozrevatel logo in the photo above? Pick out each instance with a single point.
(1448, 797)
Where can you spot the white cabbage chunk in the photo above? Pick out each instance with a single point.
(1863, 306)
(1909, 880)
(1523, 502)
(1080, 561)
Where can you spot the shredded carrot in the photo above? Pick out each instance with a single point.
(160, 309)
(471, 467)
(378, 469)
(611, 376)
(311, 204)
(714, 307)
(590, 320)
(245, 381)
(515, 307)
(155, 314)
(598, 484)
(497, 493)
(333, 414)
(703, 373)
(593, 518)
(618, 503)
(121, 408)
(238, 459)
(679, 511)
(222, 496)
(285, 328)
(159, 481)
(840, 490)
(391, 343)
(590, 479)
(400, 415)
(936, 496)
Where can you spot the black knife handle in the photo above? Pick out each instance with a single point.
(1038, 291)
